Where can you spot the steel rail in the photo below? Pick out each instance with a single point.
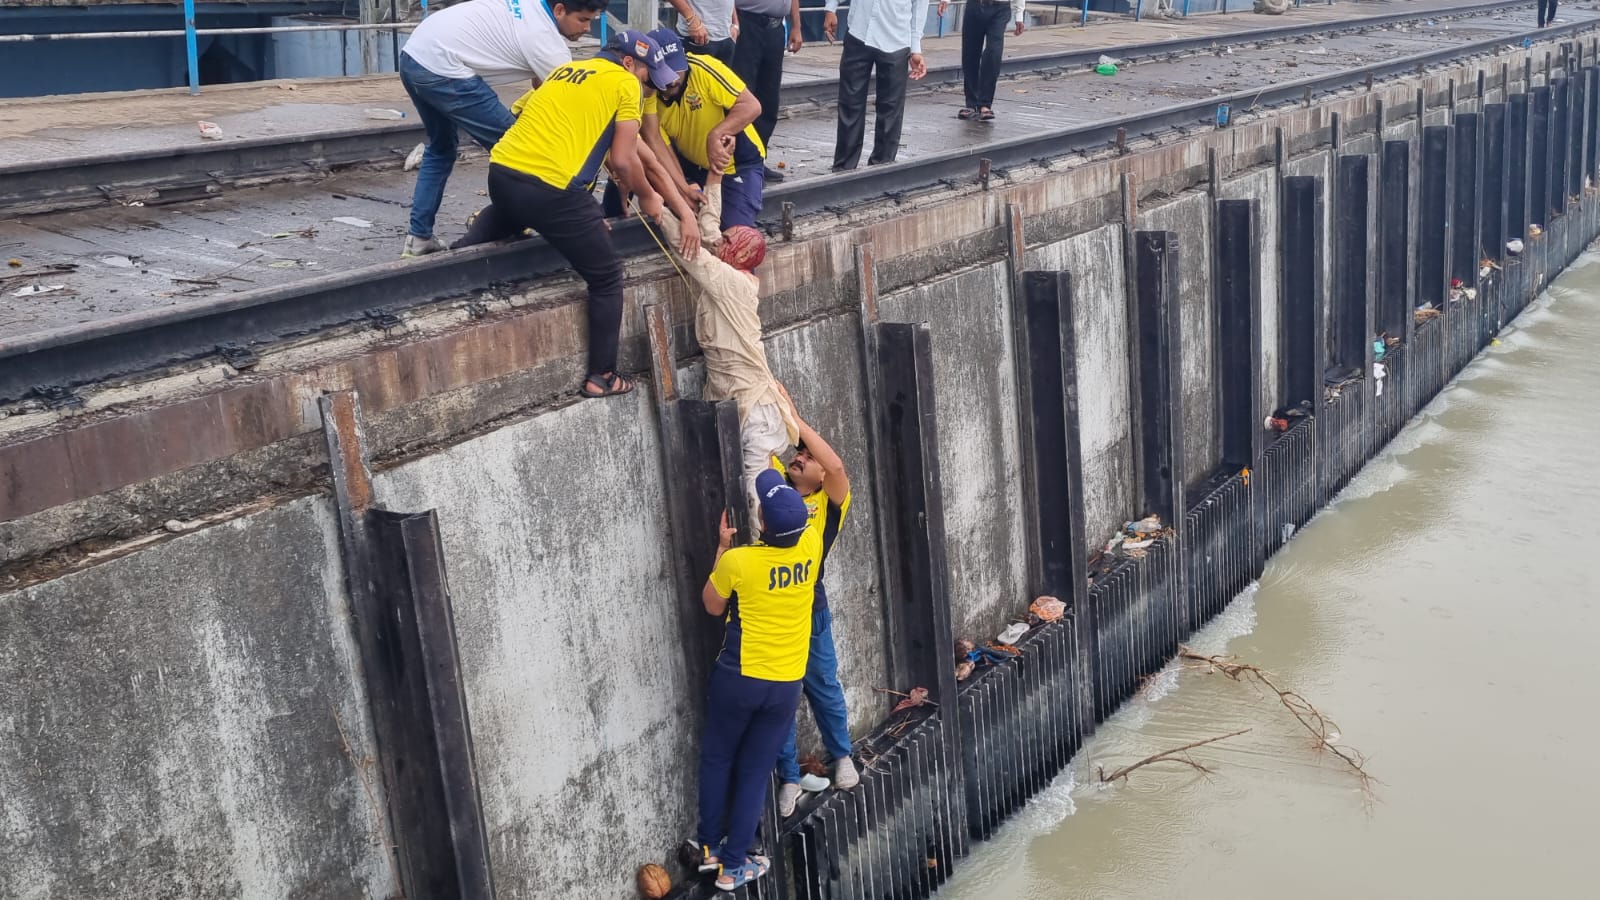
(147, 340)
(177, 174)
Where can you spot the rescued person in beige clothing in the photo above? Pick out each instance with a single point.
(728, 326)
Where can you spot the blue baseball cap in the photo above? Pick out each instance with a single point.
(642, 47)
(672, 46)
(783, 510)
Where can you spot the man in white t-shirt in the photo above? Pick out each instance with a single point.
(447, 67)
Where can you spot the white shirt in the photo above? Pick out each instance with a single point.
(500, 41)
(887, 25)
(715, 15)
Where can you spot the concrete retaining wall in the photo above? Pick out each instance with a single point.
(173, 723)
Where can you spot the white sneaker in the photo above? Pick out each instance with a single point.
(845, 776)
(813, 784)
(417, 246)
(788, 796)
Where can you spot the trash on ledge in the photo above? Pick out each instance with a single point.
(1048, 609)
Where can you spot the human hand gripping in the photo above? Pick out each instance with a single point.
(1019, 29)
(783, 396)
(830, 27)
(918, 67)
(719, 150)
(725, 534)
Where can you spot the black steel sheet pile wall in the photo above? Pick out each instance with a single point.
(1503, 198)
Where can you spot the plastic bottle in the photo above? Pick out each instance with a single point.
(385, 114)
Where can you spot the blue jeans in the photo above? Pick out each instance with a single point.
(445, 105)
(746, 720)
(826, 696)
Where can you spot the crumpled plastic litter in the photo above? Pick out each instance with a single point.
(210, 131)
(1012, 634)
(1514, 246)
(414, 158)
(1146, 525)
(919, 696)
(34, 290)
(1048, 609)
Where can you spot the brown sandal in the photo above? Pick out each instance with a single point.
(608, 384)
(967, 112)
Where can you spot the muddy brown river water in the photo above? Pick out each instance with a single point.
(1445, 610)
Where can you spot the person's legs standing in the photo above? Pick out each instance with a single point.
(758, 60)
(894, 73)
(826, 696)
(444, 105)
(855, 67)
(572, 223)
(994, 41)
(439, 156)
(823, 690)
(729, 709)
(971, 52)
(752, 771)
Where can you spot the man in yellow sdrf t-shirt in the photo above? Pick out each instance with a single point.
(708, 114)
(541, 174)
(765, 592)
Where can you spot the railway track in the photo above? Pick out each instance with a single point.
(174, 175)
(49, 364)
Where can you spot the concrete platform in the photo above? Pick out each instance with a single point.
(125, 259)
(48, 128)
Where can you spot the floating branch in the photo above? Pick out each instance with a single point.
(1176, 754)
(1323, 729)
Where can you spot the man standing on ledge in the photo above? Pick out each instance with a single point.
(983, 39)
(448, 66)
(818, 474)
(764, 594)
(885, 35)
(758, 58)
(541, 173)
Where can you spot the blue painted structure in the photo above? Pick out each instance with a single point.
(122, 64)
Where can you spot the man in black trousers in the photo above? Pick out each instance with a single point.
(758, 58)
(983, 38)
(881, 35)
(1547, 12)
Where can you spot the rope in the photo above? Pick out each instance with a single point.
(633, 204)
